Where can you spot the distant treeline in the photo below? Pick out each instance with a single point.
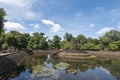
(109, 41)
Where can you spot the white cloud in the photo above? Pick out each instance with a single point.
(92, 25)
(105, 70)
(104, 30)
(30, 15)
(19, 9)
(14, 26)
(54, 27)
(36, 26)
(13, 2)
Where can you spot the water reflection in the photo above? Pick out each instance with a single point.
(94, 69)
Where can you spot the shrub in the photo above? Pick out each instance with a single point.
(113, 47)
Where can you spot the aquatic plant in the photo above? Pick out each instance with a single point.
(42, 71)
(62, 65)
(72, 71)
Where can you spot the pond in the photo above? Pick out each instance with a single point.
(37, 67)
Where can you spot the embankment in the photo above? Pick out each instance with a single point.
(44, 52)
(77, 54)
(105, 54)
(8, 63)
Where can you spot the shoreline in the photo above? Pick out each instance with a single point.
(77, 53)
(101, 53)
(104, 54)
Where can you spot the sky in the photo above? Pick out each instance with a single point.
(92, 18)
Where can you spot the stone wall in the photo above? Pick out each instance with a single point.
(9, 63)
(106, 54)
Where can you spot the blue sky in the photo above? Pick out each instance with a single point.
(92, 18)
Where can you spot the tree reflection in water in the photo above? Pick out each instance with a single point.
(97, 68)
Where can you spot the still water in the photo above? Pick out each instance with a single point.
(36, 67)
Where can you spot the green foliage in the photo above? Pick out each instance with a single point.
(68, 37)
(4, 45)
(110, 40)
(65, 45)
(2, 20)
(35, 46)
(99, 47)
(38, 41)
(117, 43)
(114, 46)
(55, 42)
(110, 36)
(81, 39)
(89, 46)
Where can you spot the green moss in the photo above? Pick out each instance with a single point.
(62, 65)
(72, 70)
(42, 71)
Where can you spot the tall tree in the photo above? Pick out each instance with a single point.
(68, 37)
(81, 40)
(13, 39)
(56, 42)
(38, 41)
(2, 20)
(109, 37)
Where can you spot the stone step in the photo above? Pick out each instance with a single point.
(82, 55)
(9, 63)
(79, 57)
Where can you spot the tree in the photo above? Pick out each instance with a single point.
(81, 40)
(109, 37)
(56, 42)
(22, 41)
(4, 46)
(99, 47)
(65, 45)
(89, 46)
(68, 37)
(38, 41)
(13, 38)
(113, 47)
(91, 40)
(2, 20)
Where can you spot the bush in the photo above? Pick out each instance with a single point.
(4, 45)
(89, 46)
(99, 47)
(65, 45)
(113, 47)
(35, 46)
